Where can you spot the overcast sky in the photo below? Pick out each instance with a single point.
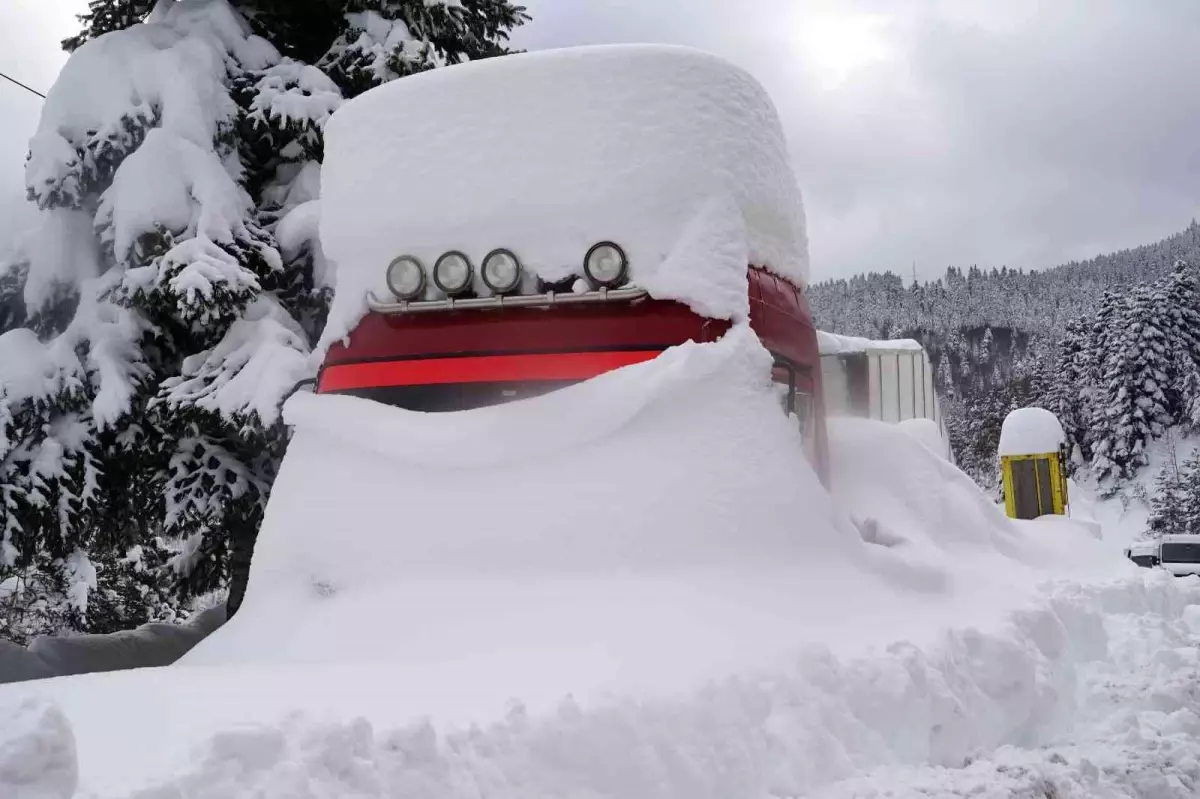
(998, 132)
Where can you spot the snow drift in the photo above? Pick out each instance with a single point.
(674, 490)
(640, 570)
(675, 155)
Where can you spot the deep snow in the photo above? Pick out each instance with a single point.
(655, 580)
(675, 155)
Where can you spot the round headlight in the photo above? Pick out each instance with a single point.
(406, 277)
(452, 273)
(605, 265)
(501, 271)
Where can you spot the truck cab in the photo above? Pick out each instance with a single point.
(464, 351)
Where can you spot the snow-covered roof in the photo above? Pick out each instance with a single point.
(677, 156)
(1182, 538)
(833, 344)
(1031, 431)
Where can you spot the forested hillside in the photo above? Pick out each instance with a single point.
(1108, 344)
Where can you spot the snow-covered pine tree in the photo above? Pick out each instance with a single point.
(1066, 389)
(1170, 504)
(1132, 400)
(148, 229)
(358, 43)
(1182, 310)
(106, 16)
(1190, 480)
(170, 297)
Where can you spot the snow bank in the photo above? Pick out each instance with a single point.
(548, 153)
(1031, 431)
(927, 509)
(833, 344)
(1087, 693)
(147, 646)
(18, 664)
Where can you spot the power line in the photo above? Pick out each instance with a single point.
(22, 85)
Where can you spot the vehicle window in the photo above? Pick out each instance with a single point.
(444, 398)
(1181, 553)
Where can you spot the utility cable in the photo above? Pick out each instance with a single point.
(22, 85)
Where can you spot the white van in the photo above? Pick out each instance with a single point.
(1180, 554)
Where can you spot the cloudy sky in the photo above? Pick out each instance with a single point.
(998, 132)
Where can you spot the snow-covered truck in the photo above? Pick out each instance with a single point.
(623, 201)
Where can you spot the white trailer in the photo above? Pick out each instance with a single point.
(890, 381)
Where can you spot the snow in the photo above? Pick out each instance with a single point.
(316, 101)
(261, 358)
(834, 344)
(374, 39)
(1144, 548)
(447, 605)
(669, 152)
(37, 753)
(299, 231)
(1030, 431)
(655, 579)
(28, 372)
(167, 73)
(927, 432)
(155, 644)
(81, 579)
(62, 253)
(172, 183)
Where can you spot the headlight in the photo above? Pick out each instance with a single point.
(406, 277)
(452, 273)
(605, 265)
(501, 271)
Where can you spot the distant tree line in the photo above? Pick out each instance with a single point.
(1111, 345)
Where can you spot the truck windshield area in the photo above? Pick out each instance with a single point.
(448, 397)
(1181, 553)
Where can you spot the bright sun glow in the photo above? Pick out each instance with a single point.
(834, 45)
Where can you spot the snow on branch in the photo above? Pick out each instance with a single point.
(245, 378)
(295, 96)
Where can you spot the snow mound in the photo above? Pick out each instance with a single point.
(37, 752)
(927, 432)
(473, 496)
(548, 153)
(1031, 431)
